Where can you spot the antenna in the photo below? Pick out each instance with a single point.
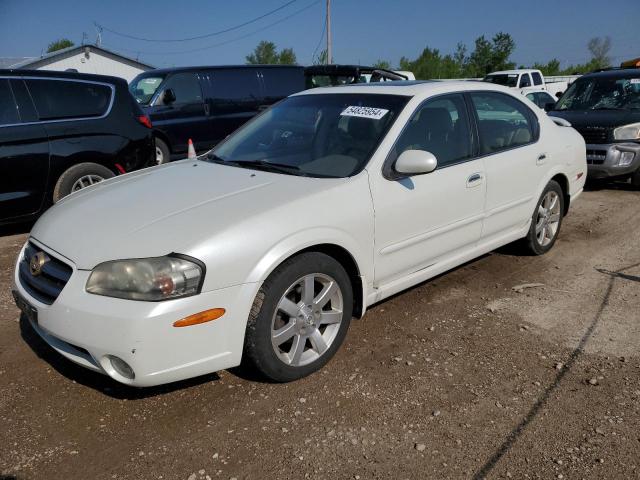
(98, 29)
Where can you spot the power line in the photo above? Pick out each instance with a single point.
(199, 37)
(242, 37)
(324, 26)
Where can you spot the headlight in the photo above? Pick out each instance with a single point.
(147, 279)
(627, 132)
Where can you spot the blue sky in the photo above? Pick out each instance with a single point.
(363, 31)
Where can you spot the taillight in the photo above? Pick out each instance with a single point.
(144, 120)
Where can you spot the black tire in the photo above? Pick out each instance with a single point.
(258, 349)
(531, 242)
(65, 184)
(635, 179)
(163, 155)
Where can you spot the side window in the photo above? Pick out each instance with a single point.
(532, 97)
(186, 87)
(234, 87)
(25, 105)
(60, 99)
(525, 80)
(503, 122)
(282, 82)
(440, 126)
(537, 78)
(8, 108)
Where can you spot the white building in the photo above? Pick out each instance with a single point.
(83, 59)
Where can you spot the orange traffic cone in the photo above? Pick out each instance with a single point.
(191, 153)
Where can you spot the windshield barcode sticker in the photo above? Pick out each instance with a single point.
(364, 112)
(634, 81)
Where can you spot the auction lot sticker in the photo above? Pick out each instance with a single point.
(364, 112)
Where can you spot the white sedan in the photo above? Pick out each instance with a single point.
(265, 248)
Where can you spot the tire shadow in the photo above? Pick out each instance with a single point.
(519, 429)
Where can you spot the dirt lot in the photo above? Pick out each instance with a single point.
(460, 377)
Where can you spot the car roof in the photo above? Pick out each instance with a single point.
(56, 74)
(158, 71)
(409, 87)
(614, 73)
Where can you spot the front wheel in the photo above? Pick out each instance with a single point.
(546, 220)
(299, 317)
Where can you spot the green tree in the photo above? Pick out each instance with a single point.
(321, 58)
(489, 56)
(266, 53)
(599, 48)
(59, 44)
(385, 65)
(552, 67)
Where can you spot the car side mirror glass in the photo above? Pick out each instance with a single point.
(549, 106)
(416, 162)
(168, 97)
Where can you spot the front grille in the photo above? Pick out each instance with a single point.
(47, 285)
(595, 134)
(596, 157)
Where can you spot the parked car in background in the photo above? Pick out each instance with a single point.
(336, 74)
(332, 200)
(526, 81)
(60, 132)
(605, 108)
(206, 104)
(542, 99)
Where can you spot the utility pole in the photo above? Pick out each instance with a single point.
(329, 55)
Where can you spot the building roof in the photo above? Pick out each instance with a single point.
(35, 62)
(8, 62)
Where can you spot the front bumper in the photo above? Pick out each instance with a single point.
(603, 160)
(88, 329)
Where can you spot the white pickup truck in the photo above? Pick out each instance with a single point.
(526, 81)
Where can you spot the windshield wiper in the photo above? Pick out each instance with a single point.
(274, 166)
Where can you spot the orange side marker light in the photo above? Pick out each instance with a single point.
(202, 317)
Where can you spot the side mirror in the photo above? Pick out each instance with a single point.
(549, 106)
(415, 162)
(168, 97)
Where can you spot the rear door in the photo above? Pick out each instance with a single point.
(513, 160)
(24, 153)
(234, 96)
(185, 117)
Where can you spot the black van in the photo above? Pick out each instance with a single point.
(604, 107)
(206, 104)
(60, 132)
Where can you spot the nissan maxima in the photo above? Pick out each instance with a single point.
(264, 249)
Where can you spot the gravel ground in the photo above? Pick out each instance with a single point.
(464, 376)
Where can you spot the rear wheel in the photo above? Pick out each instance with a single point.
(299, 318)
(546, 220)
(163, 155)
(78, 177)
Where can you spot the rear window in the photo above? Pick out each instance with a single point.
(8, 108)
(61, 99)
(282, 82)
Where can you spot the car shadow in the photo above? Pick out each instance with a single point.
(15, 229)
(598, 185)
(541, 402)
(97, 381)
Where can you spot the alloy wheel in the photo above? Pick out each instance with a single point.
(548, 218)
(85, 181)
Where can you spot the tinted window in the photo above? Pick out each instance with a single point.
(503, 121)
(441, 127)
(525, 80)
(508, 80)
(57, 99)
(282, 82)
(233, 86)
(143, 88)
(25, 106)
(602, 93)
(186, 87)
(8, 108)
(537, 78)
(544, 98)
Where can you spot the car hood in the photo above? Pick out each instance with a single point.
(598, 118)
(167, 209)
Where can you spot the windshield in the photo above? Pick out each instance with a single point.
(328, 135)
(601, 94)
(143, 88)
(508, 80)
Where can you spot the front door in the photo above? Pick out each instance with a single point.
(424, 219)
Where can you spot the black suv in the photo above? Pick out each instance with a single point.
(605, 108)
(60, 132)
(206, 104)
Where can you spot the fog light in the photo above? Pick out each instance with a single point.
(626, 158)
(122, 367)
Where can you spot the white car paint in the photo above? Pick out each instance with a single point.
(522, 76)
(243, 223)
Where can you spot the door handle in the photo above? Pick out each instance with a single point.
(474, 180)
(542, 159)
